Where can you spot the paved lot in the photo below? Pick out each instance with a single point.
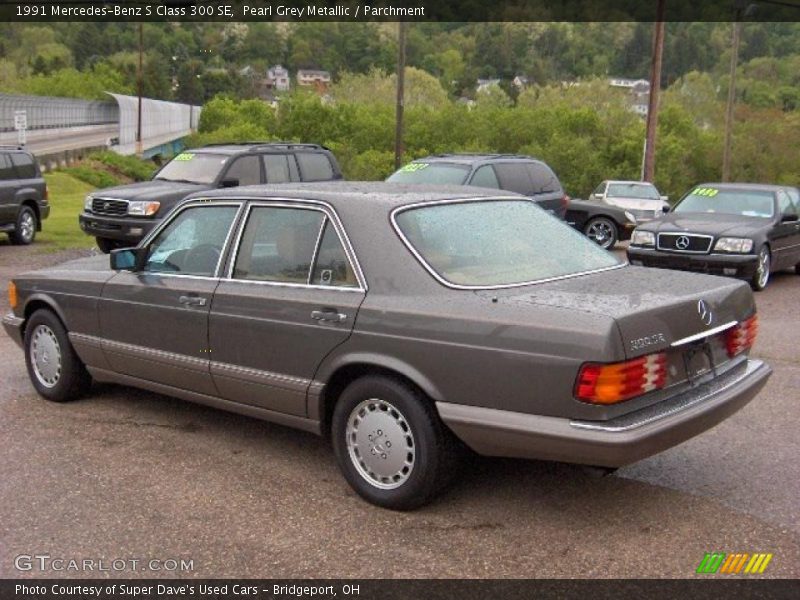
(128, 474)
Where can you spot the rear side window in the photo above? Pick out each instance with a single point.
(246, 169)
(514, 178)
(485, 177)
(6, 172)
(543, 179)
(23, 165)
(331, 266)
(277, 167)
(314, 166)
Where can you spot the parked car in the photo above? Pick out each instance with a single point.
(614, 209)
(736, 229)
(123, 215)
(23, 195)
(511, 172)
(400, 321)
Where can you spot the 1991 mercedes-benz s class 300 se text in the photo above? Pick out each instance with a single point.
(402, 322)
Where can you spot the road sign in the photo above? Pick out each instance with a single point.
(20, 120)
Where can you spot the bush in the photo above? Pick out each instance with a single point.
(129, 166)
(94, 177)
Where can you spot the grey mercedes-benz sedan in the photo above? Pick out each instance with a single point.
(403, 322)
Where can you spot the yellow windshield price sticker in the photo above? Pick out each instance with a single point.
(412, 167)
(710, 192)
(185, 156)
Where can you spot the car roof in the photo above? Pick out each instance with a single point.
(371, 193)
(255, 147)
(764, 187)
(468, 159)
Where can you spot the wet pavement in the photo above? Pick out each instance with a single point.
(125, 474)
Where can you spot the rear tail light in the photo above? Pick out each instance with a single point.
(565, 201)
(741, 338)
(612, 383)
(13, 299)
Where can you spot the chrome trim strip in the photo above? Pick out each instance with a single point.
(298, 385)
(305, 286)
(710, 239)
(171, 358)
(456, 286)
(656, 412)
(301, 203)
(315, 255)
(82, 338)
(703, 334)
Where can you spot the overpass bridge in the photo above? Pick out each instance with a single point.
(59, 129)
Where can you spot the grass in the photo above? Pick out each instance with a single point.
(61, 230)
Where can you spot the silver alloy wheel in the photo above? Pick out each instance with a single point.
(762, 271)
(380, 444)
(45, 353)
(27, 225)
(601, 232)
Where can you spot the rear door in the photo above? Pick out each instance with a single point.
(8, 187)
(785, 236)
(291, 296)
(280, 168)
(154, 323)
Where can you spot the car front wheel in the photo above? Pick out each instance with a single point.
(25, 228)
(760, 278)
(390, 444)
(602, 231)
(53, 366)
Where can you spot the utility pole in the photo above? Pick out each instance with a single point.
(139, 85)
(726, 148)
(401, 80)
(655, 89)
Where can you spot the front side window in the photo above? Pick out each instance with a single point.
(23, 164)
(439, 172)
(728, 201)
(786, 205)
(485, 177)
(246, 170)
(193, 241)
(277, 168)
(498, 243)
(189, 167)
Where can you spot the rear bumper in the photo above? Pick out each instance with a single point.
(733, 265)
(612, 443)
(13, 326)
(44, 211)
(125, 229)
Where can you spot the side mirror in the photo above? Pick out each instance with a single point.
(229, 182)
(789, 218)
(664, 198)
(126, 259)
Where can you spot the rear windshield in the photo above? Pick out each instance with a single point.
(421, 172)
(189, 167)
(498, 243)
(748, 203)
(633, 190)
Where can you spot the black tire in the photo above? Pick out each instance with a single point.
(25, 227)
(602, 231)
(106, 245)
(433, 450)
(46, 332)
(797, 269)
(760, 278)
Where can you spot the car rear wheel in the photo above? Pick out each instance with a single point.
(760, 278)
(602, 231)
(390, 444)
(106, 245)
(53, 366)
(25, 228)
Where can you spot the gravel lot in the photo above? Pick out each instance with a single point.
(128, 474)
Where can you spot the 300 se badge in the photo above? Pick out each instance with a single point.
(474, 318)
(649, 340)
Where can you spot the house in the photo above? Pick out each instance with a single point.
(631, 84)
(520, 82)
(277, 79)
(485, 84)
(638, 91)
(312, 77)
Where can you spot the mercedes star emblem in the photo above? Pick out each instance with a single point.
(706, 316)
(682, 243)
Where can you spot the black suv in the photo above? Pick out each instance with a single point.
(513, 172)
(123, 215)
(23, 195)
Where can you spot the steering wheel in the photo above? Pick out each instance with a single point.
(201, 259)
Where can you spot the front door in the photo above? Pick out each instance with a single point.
(291, 298)
(785, 236)
(154, 322)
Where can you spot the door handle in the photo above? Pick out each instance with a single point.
(192, 300)
(331, 316)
